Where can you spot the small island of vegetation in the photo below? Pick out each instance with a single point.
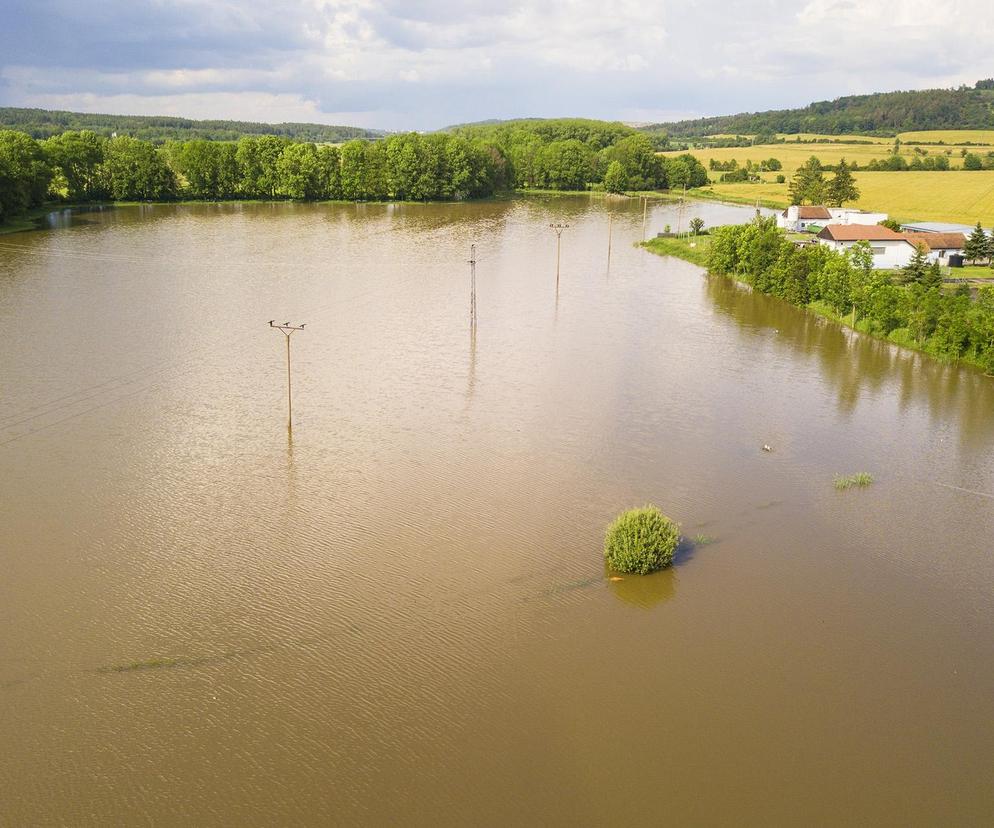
(641, 541)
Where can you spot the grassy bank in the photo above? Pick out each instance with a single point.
(693, 249)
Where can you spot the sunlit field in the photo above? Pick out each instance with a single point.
(964, 197)
(951, 136)
(793, 155)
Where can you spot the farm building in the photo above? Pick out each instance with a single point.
(801, 218)
(940, 245)
(890, 250)
(937, 227)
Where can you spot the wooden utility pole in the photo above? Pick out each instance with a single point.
(610, 229)
(472, 286)
(559, 237)
(645, 210)
(288, 330)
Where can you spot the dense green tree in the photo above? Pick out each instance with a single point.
(525, 150)
(914, 272)
(210, 168)
(977, 245)
(137, 171)
(405, 162)
(615, 180)
(78, 156)
(683, 171)
(972, 161)
(842, 187)
(565, 165)
(25, 173)
(808, 184)
(353, 175)
(932, 278)
(377, 184)
(257, 159)
(641, 165)
(300, 173)
(330, 163)
(467, 169)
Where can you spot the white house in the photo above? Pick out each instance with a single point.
(801, 219)
(939, 245)
(890, 250)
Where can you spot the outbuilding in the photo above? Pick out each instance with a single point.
(811, 219)
(940, 246)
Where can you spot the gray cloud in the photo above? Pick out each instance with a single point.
(425, 63)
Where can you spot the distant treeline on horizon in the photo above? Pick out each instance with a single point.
(44, 123)
(882, 113)
(469, 162)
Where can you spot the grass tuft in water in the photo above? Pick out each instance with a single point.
(704, 540)
(859, 480)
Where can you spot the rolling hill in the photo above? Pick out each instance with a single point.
(43, 123)
(883, 113)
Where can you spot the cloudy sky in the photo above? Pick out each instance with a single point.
(423, 64)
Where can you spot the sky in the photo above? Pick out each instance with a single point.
(425, 64)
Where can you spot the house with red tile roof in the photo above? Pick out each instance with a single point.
(891, 250)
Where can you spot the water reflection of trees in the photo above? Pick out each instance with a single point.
(857, 363)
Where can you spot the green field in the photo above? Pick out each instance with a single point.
(962, 197)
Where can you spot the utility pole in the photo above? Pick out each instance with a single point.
(610, 229)
(472, 286)
(645, 210)
(559, 237)
(288, 330)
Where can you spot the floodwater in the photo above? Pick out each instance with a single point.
(399, 615)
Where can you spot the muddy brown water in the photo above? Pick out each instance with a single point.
(400, 615)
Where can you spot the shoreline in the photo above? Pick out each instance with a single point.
(680, 248)
(29, 219)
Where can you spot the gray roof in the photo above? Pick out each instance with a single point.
(938, 227)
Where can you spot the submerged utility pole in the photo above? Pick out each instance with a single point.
(288, 331)
(645, 210)
(559, 237)
(472, 286)
(610, 229)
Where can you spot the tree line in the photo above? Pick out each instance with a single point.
(913, 310)
(81, 166)
(885, 113)
(575, 154)
(45, 123)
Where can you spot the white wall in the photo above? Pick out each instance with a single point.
(844, 215)
(887, 255)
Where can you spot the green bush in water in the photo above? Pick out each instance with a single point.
(641, 541)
